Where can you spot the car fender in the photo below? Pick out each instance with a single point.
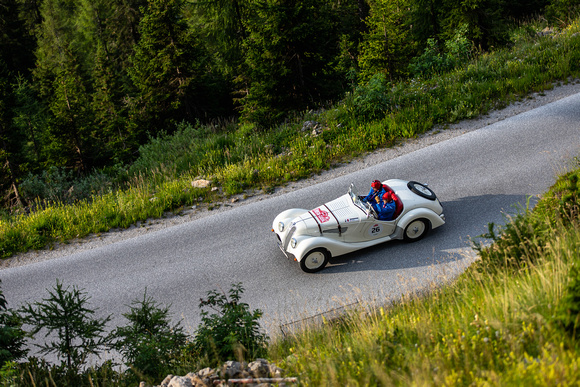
(288, 215)
(418, 213)
(309, 243)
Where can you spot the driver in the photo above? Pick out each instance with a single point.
(376, 192)
(386, 208)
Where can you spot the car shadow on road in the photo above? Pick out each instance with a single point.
(466, 220)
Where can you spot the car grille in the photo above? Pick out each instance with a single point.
(288, 237)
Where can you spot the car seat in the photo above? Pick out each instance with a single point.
(398, 201)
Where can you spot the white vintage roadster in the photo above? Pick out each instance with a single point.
(348, 223)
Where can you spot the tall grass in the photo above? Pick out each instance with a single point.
(239, 157)
(60, 222)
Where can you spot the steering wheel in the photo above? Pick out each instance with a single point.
(373, 211)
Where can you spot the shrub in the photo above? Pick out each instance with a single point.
(149, 342)
(569, 311)
(39, 372)
(514, 245)
(562, 12)
(66, 315)
(521, 240)
(371, 100)
(12, 337)
(58, 185)
(435, 60)
(232, 332)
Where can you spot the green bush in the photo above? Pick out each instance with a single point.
(39, 372)
(233, 332)
(12, 336)
(371, 100)
(58, 185)
(436, 60)
(569, 311)
(523, 237)
(562, 12)
(65, 314)
(514, 246)
(149, 342)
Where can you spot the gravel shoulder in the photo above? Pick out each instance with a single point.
(436, 135)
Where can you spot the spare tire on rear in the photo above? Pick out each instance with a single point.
(421, 190)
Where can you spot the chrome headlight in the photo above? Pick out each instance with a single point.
(293, 242)
(281, 226)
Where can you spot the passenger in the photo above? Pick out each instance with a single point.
(386, 208)
(375, 193)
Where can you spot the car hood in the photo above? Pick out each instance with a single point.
(329, 216)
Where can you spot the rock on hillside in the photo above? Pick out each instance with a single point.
(259, 372)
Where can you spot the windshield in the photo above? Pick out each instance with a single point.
(353, 193)
(356, 199)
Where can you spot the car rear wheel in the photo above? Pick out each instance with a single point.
(314, 261)
(416, 230)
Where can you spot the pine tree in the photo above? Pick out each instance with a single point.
(12, 336)
(223, 23)
(7, 141)
(165, 65)
(426, 19)
(149, 341)
(61, 77)
(485, 19)
(16, 57)
(65, 314)
(290, 53)
(387, 46)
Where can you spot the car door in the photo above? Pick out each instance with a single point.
(376, 229)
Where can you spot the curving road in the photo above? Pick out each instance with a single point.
(476, 176)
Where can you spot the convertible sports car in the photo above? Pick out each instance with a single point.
(348, 223)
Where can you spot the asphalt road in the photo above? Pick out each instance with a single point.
(478, 176)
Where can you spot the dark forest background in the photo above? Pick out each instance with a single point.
(85, 83)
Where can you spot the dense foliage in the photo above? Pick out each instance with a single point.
(527, 234)
(232, 331)
(12, 336)
(67, 315)
(149, 342)
(84, 84)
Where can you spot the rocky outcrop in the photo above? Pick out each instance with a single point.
(259, 372)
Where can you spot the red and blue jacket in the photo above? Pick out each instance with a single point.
(385, 210)
(374, 194)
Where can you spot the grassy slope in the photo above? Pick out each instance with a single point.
(373, 116)
(508, 320)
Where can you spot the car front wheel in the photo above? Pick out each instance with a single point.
(416, 230)
(314, 261)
